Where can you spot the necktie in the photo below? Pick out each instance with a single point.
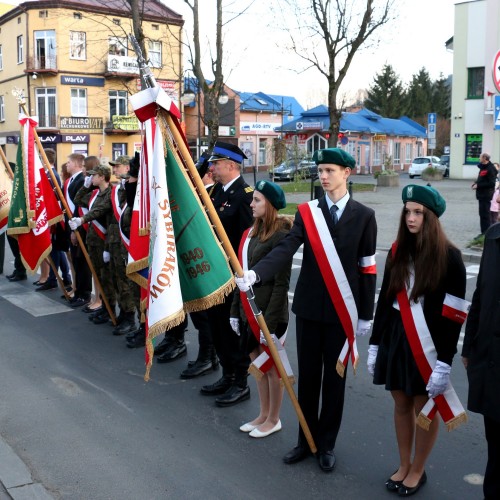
(333, 213)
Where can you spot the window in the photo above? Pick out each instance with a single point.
(118, 149)
(408, 155)
(155, 27)
(117, 46)
(262, 151)
(155, 54)
(43, 13)
(117, 103)
(397, 154)
(2, 110)
(78, 45)
(377, 152)
(473, 147)
(475, 83)
(77, 15)
(1, 57)
(78, 102)
(116, 21)
(45, 49)
(46, 107)
(20, 49)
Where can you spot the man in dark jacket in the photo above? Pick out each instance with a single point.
(481, 356)
(485, 187)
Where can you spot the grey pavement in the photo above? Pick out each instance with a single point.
(460, 221)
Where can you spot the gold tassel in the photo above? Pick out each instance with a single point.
(423, 421)
(456, 422)
(340, 368)
(253, 370)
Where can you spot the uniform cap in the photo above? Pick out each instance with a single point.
(121, 160)
(100, 170)
(334, 156)
(226, 151)
(426, 196)
(273, 193)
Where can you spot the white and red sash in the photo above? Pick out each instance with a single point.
(425, 355)
(98, 227)
(125, 240)
(115, 202)
(264, 362)
(335, 279)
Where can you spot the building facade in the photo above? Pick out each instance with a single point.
(475, 106)
(76, 68)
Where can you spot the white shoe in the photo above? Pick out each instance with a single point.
(248, 427)
(259, 434)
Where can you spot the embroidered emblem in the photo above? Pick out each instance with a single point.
(409, 192)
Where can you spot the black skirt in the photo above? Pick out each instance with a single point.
(395, 366)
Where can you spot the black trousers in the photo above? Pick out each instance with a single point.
(484, 214)
(83, 275)
(228, 345)
(19, 268)
(201, 322)
(491, 486)
(318, 348)
(2, 251)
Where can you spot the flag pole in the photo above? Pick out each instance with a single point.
(22, 102)
(150, 82)
(59, 279)
(7, 164)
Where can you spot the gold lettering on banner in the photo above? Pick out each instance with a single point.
(163, 278)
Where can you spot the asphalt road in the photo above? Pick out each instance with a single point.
(75, 408)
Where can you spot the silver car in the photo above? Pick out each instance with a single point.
(419, 164)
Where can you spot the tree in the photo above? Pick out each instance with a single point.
(343, 30)
(441, 97)
(386, 96)
(420, 92)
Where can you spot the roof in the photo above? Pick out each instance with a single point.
(364, 121)
(259, 101)
(152, 9)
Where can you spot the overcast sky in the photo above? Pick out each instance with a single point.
(253, 62)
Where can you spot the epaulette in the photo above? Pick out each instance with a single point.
(249, 189)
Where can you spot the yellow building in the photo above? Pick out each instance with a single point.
(76, 68)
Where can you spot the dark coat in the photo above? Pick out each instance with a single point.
(355, 237)
(444, 332)
(482, 332)
(486, 179)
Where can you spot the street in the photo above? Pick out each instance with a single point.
(75, 408)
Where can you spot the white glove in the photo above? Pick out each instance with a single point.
(262, 338)
(372, 357)
(106, 257)
(123, 182)
(75, 222)
(439, 379)
(235, 325)
(88, 181)
(363, 327)
(248, 279)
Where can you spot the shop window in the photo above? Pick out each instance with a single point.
(473, 147)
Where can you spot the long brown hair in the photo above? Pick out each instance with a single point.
(427, 250)
(263, 228)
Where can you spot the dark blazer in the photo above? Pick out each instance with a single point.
(233, 208)
(444, 331)
(73, 188)
(354, 236)
(482, 332)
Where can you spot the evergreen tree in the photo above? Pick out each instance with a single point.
(386, 96)
(420, 97)
(441, 98)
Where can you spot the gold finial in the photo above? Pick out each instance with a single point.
(19, 95)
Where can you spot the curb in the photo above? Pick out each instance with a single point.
(15, 478)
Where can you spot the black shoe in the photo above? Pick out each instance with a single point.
(392, 485)
(78, 302)
(138, 341)
(67, 283)
(132, 335)
(37, 282)
(18, 277)
(406, 491)
(126, 326)
(177, 350)
(327, 460)
(199, 367)
(297, 454)
(46, 286)
(88, 310)
(219, 387)
(101, 318)
(234, 395)
(164, 345)
(10, 276)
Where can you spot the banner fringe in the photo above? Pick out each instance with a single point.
(291, 378)
(340, 368)
(255, 372)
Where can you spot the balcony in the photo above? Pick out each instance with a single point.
(127, 124)
(121, 67)
(45, 65)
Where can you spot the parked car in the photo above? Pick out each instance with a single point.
(287, 170)
(419, 164)
(445, 160)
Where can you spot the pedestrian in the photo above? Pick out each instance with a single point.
(481, 356)
(422, 292)
(484, 187)
(494, 205)
(271, 298)
(334, 297)
(231, 199)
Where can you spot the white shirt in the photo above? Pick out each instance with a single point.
(340, 204)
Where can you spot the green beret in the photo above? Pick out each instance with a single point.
(426, 196)
(273, 193)
(336, 156)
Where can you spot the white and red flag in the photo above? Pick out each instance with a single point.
(34, 206)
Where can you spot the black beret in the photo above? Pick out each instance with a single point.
(202, 164)
(426, 196)
(335, 156)
(273, 193)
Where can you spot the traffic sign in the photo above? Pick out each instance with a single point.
(496, 70)
(431, 118)
(497, 113)
(431, 126)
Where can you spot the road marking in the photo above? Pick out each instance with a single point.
(34, 303)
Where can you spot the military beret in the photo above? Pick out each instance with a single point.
(273, 193)
(226, 151)
(336, 156)
(426, 196)
(100, 170)
(121, 160)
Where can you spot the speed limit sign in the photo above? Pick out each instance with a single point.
(496, 71)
